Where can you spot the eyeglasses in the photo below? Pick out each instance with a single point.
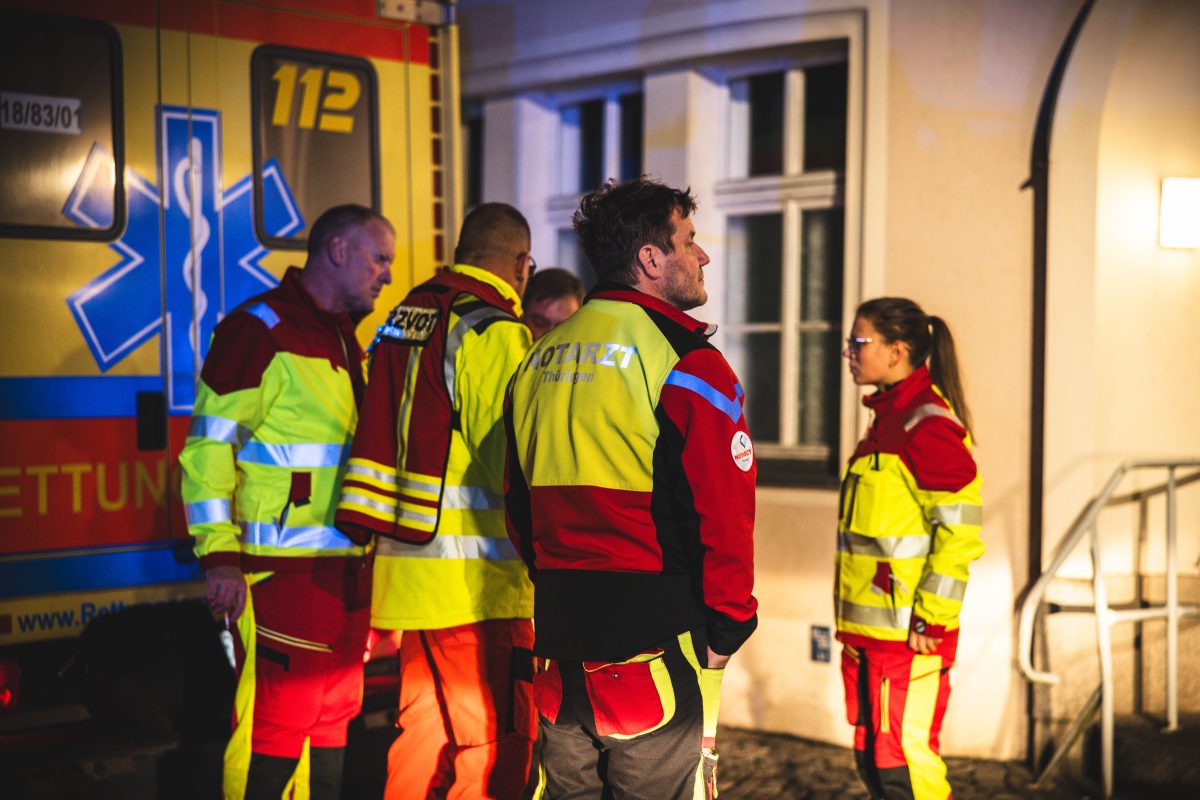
(854, 343)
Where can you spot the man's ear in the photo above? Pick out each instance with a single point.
(649, 259)
(336, 249)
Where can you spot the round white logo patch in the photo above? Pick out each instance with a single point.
(742, 451)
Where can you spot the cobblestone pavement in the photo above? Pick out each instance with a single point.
(765, 766)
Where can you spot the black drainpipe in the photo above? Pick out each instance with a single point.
(1039, 181)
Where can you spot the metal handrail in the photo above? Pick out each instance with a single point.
(1106, 614)
(1032, 601)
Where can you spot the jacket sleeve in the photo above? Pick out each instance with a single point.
(489, 356)
(231, 402)
(703, 400)
(518, 511)
(947, 486)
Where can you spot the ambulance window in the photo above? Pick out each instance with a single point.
(316, 139)
(61, 133)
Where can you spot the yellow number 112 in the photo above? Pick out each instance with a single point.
(344, 91)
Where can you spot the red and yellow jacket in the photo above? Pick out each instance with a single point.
(909, 521)
(630, 482)
(270, 433)
(426, 469)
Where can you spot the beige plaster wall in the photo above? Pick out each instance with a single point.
(950, 94)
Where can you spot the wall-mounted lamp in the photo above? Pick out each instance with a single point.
(1179, 215)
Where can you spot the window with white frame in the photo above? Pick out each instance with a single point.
(782, 202)
(600, 135)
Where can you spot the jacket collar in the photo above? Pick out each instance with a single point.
(609, 290)
(492, 279)
(902, 394)
(294, 287)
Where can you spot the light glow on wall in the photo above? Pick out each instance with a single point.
(1179, 214)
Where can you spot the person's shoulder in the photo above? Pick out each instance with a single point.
(935, 448)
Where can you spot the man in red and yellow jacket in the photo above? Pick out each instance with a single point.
(426, 477)
(275, 411)
(630, 495)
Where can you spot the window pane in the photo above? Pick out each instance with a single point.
(591, 145)
(60, 128)
(632, 114)
(474, 166)
(315, 139)
(755, 359)
(825, 117)
(820, 361)
(755, 268)
(572, 258)
(821, 264)
(766, 124)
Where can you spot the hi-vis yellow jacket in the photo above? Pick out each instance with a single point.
(271, 428)
(909, 521)
(630, 482)
(426, 470)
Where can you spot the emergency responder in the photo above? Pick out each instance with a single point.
(426, 475)
(276, 407)
(630, 496)
(908, 528)
(551, 296)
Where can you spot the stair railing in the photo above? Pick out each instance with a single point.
(1108, 615)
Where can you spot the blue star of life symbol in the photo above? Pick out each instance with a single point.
(202, 255)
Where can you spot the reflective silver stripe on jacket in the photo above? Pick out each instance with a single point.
(455, 339)
(219, 429)
(943, 586)
(368, 472)
(204, 512)
(351, 496)
(416, 516)
(875, 616)
(485, 548)
(476, 498)
(884, 546)
(418, 486)
(958, 514)
(930, 410)
(312, 537)
(296, 456)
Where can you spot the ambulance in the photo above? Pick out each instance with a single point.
(160, 162)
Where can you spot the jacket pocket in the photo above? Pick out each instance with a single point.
(632, 697)
(547, 689)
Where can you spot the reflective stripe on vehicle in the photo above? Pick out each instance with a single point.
(485, 548)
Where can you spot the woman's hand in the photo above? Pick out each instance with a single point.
(922, 644)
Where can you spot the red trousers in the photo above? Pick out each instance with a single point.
(896, 701)
(300, 665)
(467, 723)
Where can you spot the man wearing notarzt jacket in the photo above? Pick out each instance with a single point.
(630, 495)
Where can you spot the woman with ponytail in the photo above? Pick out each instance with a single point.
(909, 522)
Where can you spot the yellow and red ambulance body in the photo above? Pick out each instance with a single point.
(232, 125)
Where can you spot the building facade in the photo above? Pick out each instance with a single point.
(843, 150)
